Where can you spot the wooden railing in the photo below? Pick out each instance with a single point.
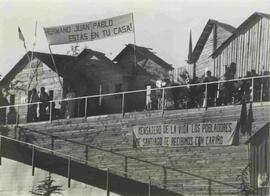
(126, 158)
(22, 109)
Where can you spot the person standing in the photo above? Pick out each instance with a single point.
(33, 107)
(148, 98)
(43, 98)
(3, 110)
(211, 89)
(70, 107)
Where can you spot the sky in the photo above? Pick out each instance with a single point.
(162, 25)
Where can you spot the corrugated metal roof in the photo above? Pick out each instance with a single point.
(255, 16)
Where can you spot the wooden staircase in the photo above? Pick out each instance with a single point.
(107, 142)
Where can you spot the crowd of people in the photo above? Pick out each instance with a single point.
(205, 91)
(218, 92)
(33, 99)
(45, 110)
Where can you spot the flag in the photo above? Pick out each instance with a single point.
(20, 34)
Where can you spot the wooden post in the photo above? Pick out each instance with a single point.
(149, 187)
(261, 96)
(165, 177)
(17, 116)
(134, 38)
(51, 111)
(163, 100)
(252, 89)
(206, 96)
(85, 108)
(107, 183)
(54, 64)
(68, 175)
(123, 105)
(15, 132)
(210, 187)
(6, 122)
(100, 97)
(126, 167)
(52, 143)
(33, 158)
(86, 154)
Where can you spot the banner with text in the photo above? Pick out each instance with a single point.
(198, 134)
(90, 31)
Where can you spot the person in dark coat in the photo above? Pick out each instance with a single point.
(11, 116)
(226, 88)
(43, 98)
(33, 106)
(211, 88)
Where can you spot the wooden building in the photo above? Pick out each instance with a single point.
(212, 36)
(145, 72)
(248, 47)
(88, 73)
(25, 76)
(92, 73)
(148, 67)
(259, 155)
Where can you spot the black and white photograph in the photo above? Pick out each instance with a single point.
(135, 97)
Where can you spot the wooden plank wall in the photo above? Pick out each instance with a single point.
(35, 76)
(249, 50)
(205, 61)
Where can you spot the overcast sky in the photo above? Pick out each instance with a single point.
(163, 25)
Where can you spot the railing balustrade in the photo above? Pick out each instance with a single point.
(149, 181)
(208, 94)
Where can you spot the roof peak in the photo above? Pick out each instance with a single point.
(239, 29)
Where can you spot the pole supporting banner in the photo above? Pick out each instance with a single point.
(54, 64)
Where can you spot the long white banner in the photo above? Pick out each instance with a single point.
(198, 134)
(90, 31)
